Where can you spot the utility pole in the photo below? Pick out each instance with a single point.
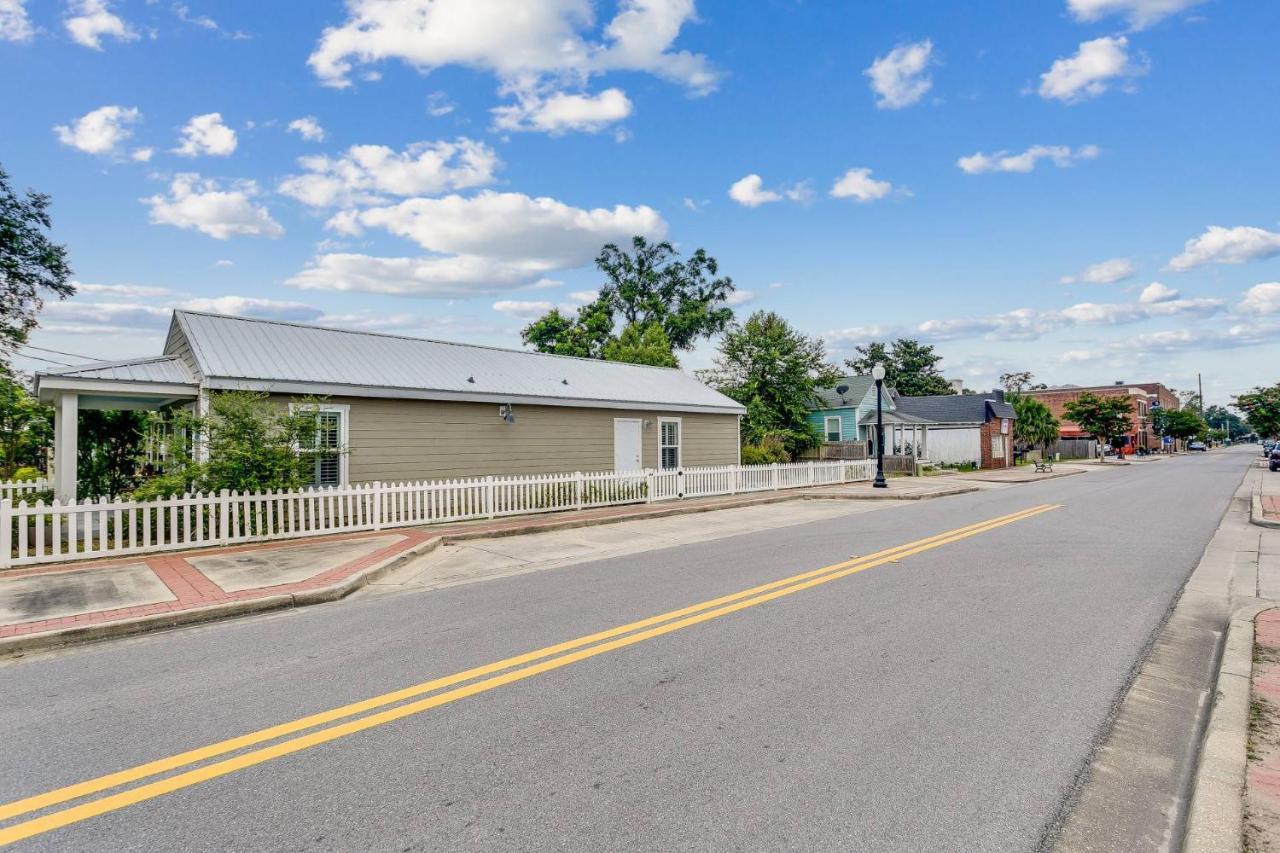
(1200, 392)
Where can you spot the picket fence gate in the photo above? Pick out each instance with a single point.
(53, 532)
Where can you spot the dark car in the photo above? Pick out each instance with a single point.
(1197, 445)
(1273, 459)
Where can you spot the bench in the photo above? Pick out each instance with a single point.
(1044, 467)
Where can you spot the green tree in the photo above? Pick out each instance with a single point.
(641, 345)
(1178, 424)
(644, 287)
(253, 443)
(1104, 418)
(1261, 408)
(1018, 381)
(910, 367)
(108, 452)
(774, 370)
(26, 428)
(584, 336)
(1219, 417)
(30, 264)
(1035, 425)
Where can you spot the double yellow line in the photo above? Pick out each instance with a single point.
(489, 676)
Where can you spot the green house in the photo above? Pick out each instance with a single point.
(840, 410)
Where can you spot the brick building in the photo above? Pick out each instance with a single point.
(1143, 396)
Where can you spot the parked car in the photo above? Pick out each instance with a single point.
(1273, 460)
(1197, 445)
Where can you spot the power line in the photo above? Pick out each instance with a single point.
(48, 360)
(59, 352)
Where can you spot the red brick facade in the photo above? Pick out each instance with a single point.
(1140, 396)
(997, 433)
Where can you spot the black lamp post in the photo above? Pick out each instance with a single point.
(877, 373)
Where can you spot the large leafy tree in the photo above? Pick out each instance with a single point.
(642, 345)
(1219, 417)
(910, 367)
(1261, 408)
(1178, 423)
(1104, 418)
(646, 286)
(1017, 381)
(774, 370)
(31, 265)
(26, 427)
(1035, 425)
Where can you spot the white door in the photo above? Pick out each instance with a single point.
(626, 444)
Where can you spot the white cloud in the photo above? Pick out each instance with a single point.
(223, 263)
(206, 134)
(522, 310)
(860, 186)
(102, 131)
(900, 78)
(1219, 245)
(14, 23)
(77, 316)
(1103, 272)
(1027, 324)
(252, 306)
(1061, 156)
(777, 285)
(200, 204)
(142, 155)
(562, 112)
(368, 173)
(524, 42)
(1156, 292)
(308, 127)
(1091, 71)
(1139, 13)
(1261, 299)
(90, 20)
(740, 297)
(488, 243)
(438, 104)
(134, 290)
(584, 296)
(750, 192)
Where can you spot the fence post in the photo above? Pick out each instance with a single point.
(811, 480)
(6, 533)
(377, 505)
(577, 490)
(224, 515)
(774, 476)
(680, 483)
(648, 485)
(488, 495)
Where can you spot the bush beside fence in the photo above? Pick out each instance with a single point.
(43, 533)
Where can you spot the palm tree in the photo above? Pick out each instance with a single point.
(1035, 425)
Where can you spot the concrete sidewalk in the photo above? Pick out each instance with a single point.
(43, 606)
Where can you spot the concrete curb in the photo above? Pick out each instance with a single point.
(11, 646)
(1256, 515)
(1215, 819)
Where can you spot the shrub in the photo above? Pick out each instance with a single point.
(26, 472)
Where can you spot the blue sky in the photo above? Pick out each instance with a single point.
(1081, 188)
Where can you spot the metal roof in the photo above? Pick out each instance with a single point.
(236, 352)
(164, 368)
(957, 408)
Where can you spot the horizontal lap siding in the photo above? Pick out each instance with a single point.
(424, 439)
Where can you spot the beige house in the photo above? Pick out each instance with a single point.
(407, 408)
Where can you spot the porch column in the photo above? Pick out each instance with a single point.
(65, 439)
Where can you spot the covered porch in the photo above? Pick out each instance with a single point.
(145, 384)
(904, 435)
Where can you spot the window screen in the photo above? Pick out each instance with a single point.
(328, 438)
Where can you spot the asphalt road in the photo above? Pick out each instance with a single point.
(945, 701)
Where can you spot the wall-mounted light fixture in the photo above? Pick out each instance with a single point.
(648, 423)
(507, 413)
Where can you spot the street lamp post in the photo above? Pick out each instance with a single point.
(877, 373)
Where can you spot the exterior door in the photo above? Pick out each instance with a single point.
(626, 444)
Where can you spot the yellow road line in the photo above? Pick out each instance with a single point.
(700, 613)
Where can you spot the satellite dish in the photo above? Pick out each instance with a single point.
(842, 390)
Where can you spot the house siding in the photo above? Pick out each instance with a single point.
(850, 429)
(955, 445)
(424, 439)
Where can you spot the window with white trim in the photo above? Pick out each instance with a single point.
(833, 428)
(669, 443)
(332, 424)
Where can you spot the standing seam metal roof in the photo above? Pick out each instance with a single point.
(165, 368)
(264, 351)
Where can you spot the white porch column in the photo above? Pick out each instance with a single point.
(65, 439)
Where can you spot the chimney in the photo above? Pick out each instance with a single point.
(957, 386)
(998, 394)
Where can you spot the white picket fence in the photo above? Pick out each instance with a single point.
(17, 488)
(44, 533)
